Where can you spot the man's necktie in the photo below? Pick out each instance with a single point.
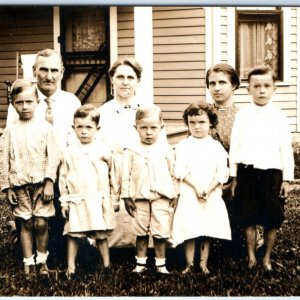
(49, 115)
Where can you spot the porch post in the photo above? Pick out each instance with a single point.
(56, 28)
(213, 39)
(56, 32)
(209, 36)
(143, 47)
(113, 33)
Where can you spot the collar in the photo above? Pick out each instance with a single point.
(120, 107)
(153, 150)
(261, 109)
(42, 97)
(197, 140)
(219, 108)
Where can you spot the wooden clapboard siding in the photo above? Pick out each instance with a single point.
(223, 34)
(25, 30)
(179, 58)
(125, 31)
(286, 98)
(294, 45)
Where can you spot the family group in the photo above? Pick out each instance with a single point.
(87, 164)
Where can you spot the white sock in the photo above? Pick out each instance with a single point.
(159, 262)
(41, 258)
(141, 260)
(29, 261)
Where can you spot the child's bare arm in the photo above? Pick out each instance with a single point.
(171, 165)
(11, 196)
(200, 192)
(126, 174)
(174, 203)
(233, 186)
(213, 185)
(65, 212)
(285, 189)
(129, 206)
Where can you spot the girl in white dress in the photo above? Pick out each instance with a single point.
(201, 167)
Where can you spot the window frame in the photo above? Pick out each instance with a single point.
(256, 15)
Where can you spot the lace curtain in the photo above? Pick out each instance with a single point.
(258, 45)
(88, 29)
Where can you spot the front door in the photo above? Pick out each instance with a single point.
(85, 51)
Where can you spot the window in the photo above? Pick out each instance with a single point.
(259, 41)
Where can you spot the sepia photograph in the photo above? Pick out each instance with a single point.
(149, 150)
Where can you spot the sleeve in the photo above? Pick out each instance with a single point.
(126, 174)
(171, 164)
(222, 172)
(287, 150)
(5, 144)
(53, 156)
(62, 180)
(115, 174)
(181, 168)
(104, 177)
(106, 153)
(12, 115)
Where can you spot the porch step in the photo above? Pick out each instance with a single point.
(175, 132)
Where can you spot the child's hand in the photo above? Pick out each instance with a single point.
(174, 203)
(65, 212)
(129, 206)
(11, 196)
(226, 191)
(38, 193)
(201, 195)
(284, 189)
(48, 191)
(116, 207)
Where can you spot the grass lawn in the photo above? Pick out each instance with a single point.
(227, 278)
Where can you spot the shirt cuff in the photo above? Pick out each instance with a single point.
(233, 170)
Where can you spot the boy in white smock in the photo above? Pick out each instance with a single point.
(84, 187)
(148, 188)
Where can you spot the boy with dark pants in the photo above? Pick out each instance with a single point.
(261, 163)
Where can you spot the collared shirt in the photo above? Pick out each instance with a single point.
(30, 153)
(63, 106)
(261, 137)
